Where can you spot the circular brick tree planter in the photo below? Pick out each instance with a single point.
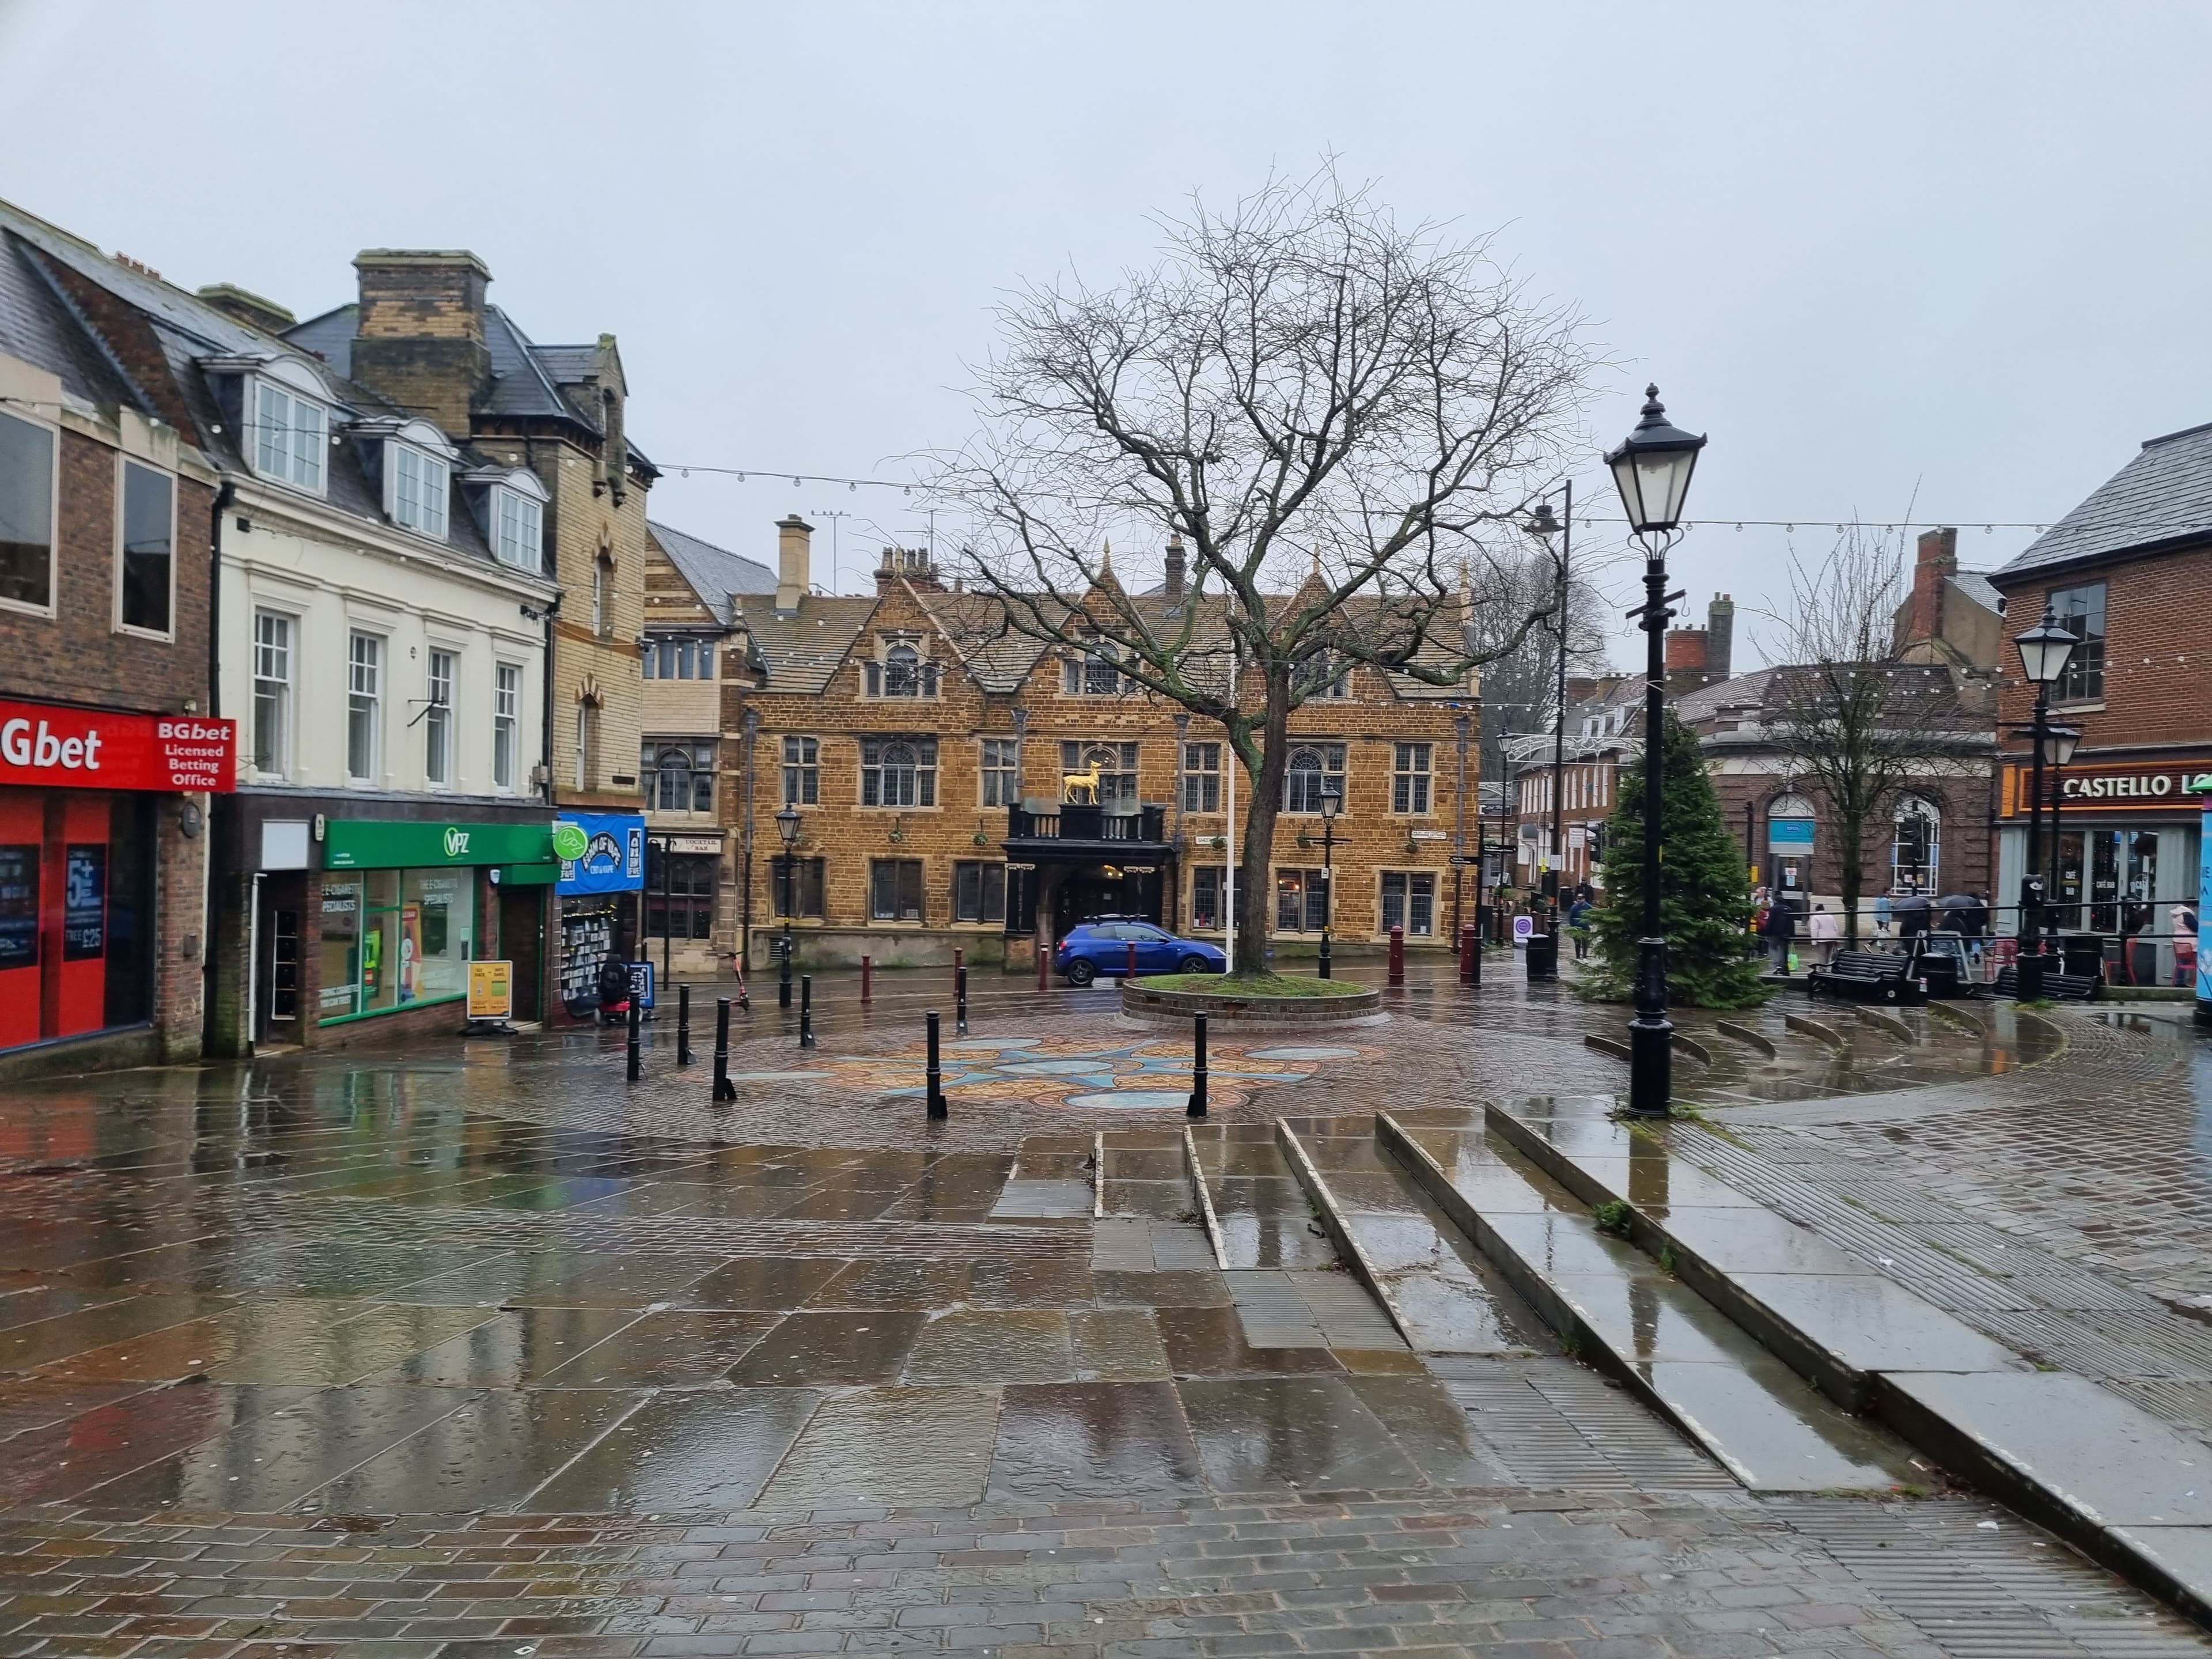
(1227, 1012)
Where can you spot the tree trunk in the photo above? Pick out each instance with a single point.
(1255, 898)
(1850, 841)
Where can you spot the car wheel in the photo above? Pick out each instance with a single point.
(1080, 972)
(1194, 965)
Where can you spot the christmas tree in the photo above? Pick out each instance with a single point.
(1704, 896)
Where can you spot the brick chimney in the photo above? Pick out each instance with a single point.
(794, 558)
(1720, 638)
(914, 564)
(419, 338)
(1938, 563)
(1173, 587)
(1685, 659)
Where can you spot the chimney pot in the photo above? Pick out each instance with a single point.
(1175, 569)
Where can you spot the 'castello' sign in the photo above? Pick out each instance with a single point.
(2113, 788)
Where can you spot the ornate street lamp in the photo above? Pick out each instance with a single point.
(1652, 469)
(2045, 650)
(787, 825)
(1541, 960)
(1332, 802)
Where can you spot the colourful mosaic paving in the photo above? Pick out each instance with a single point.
(1151, 1072)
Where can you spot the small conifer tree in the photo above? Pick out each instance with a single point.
(1704, 896)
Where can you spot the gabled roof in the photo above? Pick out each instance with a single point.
(715, 573)
(2161, 498)
(1977, 586)
(801, 652)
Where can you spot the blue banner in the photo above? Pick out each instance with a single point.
(610, 858)
(2204, 910)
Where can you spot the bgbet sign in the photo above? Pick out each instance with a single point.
(100, 749)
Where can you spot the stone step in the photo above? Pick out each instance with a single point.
(1620, 1311)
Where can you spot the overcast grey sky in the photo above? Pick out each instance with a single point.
(1950, 255)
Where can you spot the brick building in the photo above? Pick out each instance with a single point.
(111, 750)
(926, 756)
(2129, 573)
(1604, 730)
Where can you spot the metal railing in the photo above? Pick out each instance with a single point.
(1078, 822)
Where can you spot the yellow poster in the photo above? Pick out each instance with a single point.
(491, 990)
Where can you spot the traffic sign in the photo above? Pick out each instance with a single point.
(1465, 858)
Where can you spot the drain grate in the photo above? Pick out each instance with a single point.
(1555, 1424)
(1980, 1591)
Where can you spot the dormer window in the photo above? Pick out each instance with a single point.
(902, 672)
(420, 489)
(517, 529)
(289, 434)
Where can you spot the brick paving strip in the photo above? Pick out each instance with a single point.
(1552, 1576)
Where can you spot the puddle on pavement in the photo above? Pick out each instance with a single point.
(1092, 1440)
(1257, 1434)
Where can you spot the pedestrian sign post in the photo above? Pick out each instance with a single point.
(640, 983)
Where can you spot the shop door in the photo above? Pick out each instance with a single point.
(279, 961)
(522, 942)
(74, 924)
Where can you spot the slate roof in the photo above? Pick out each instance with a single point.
(2162, 497)
(35, 324)
(802, 651)
(715, 573)
(1977, 586)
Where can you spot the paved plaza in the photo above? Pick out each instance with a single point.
(483, 1349)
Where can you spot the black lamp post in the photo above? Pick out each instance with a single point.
(787, 825)
(1544, 526)
(1332, 802)
(1652, 469)
(2044, 650)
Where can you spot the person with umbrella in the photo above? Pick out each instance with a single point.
(1913, 912)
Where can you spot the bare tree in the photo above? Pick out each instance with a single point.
(1521, 686)
(1854, 721)
(1337, 418)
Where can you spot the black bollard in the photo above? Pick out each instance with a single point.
(682, 1026)
(807, 1010)
(635, 1068)
(1197, 1107)
(960, 1000)
(783, 973)
(936, 1077)
(724, 1089)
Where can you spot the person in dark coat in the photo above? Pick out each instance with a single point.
(614, 988)
(1781, 928)
(1913, 912)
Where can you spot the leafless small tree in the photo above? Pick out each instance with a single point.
(1339, 419)
(1854, 721)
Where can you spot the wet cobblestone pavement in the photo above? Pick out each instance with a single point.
(475, 1352)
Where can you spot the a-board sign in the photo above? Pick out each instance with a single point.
(491, 990)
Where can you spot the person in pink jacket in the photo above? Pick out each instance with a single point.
(1826, 927)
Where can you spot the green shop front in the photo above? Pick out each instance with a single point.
(406, 905)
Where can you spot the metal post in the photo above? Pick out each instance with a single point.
(807, 1010)
(682, 1026)
(1328, 888)
(724, 1089)
(1044, 964)
(1459, 830)
(1651, 1034)
(635, 1065)
(667, 909)
(1470, 953)
(960, 1000)
(783, 971)
(1397, 955)
(867, 980)
(2027, 983)
(936, 1094)
(1133, 959)
(1197, 1107)
(959, 962)
(1559, 741)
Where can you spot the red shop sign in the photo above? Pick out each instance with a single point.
(42, 742)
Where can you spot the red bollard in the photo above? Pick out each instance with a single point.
(867, 976)
(1397, 955)
(1468, 946)
(1133, 959)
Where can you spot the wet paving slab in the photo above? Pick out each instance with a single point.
(896, 1445)
(823, 1348)
(491, 1452)
(693, 1450)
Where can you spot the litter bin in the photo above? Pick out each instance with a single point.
(1543, 955)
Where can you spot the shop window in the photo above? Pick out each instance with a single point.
(1915, 847)
(894, 890)
(679, 777)
(2080, 613)
(1002, 771)
(1116, 765)
(1209, 899)
(802, 771)
(796, 887)
(1312, 767)
(27, 483)
(505, 723)
(147, 566)
(898, 771)
(1409, 778)
(19, 904)
(1409, 901)
(685, 910)
(272, 693)
(1202, 777)
(364, 706)
(1301, 900)
(392, 939)
(979, 892)
(438, 722)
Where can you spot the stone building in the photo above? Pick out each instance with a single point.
(1951, 616)
(926, 755)
(111, 747)
(2129, 572)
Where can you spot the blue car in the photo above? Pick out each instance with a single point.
(1101, 945)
